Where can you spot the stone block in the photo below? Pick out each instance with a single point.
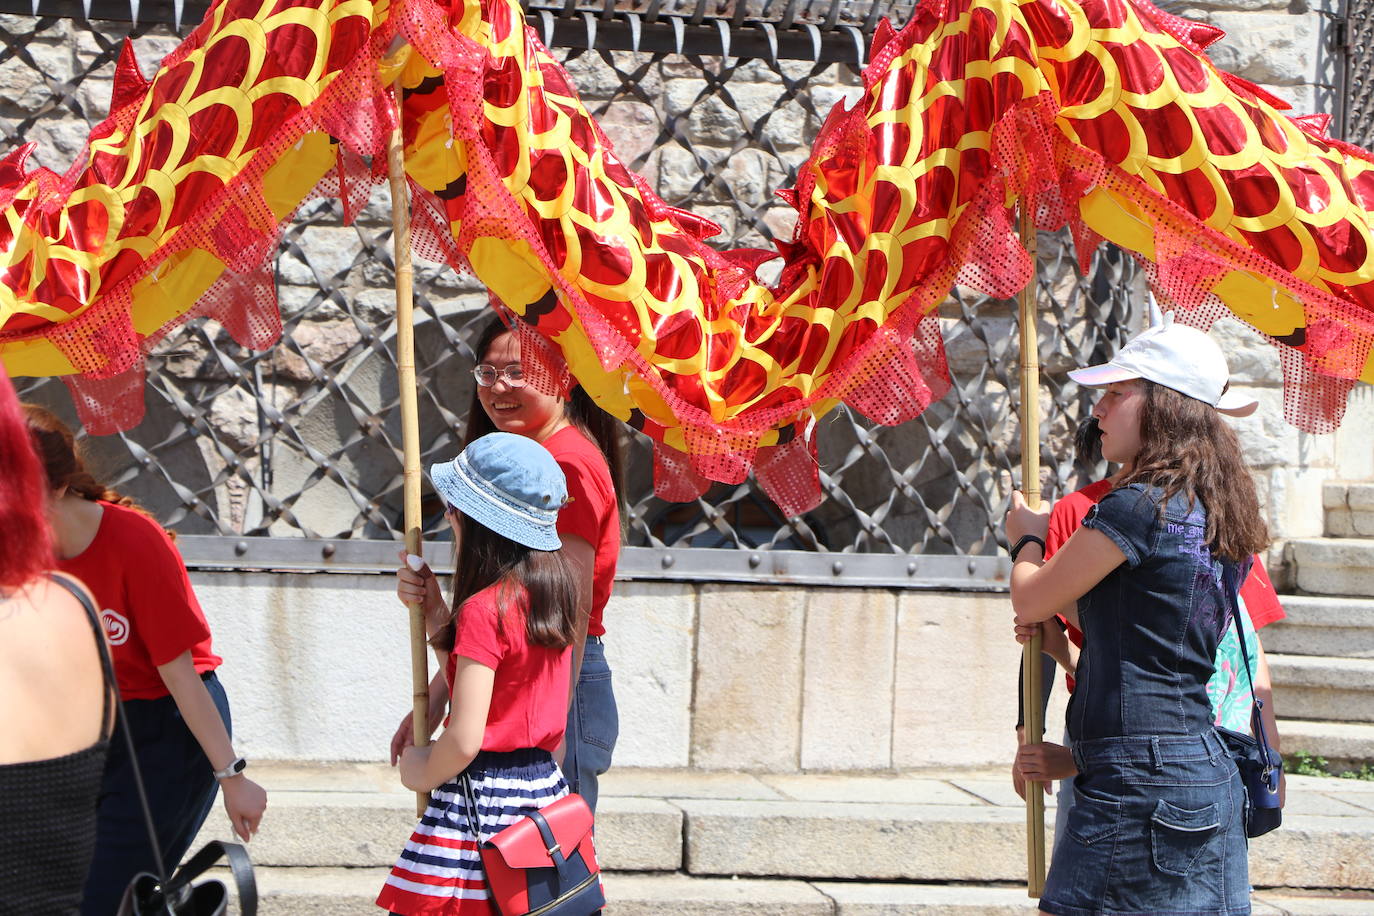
(1334, 566)
(1354, 455)
(1303, 97)
(680, 96)
(752, 176)
(324, 829)
(1323, 688)
(679, 172)
(853, 899)
(1266, 439)
(317, 891)
(645, 895)
(825, 98)
(593, 78)
(317, 667)
(1293, 499)
(1316, 852)
(1252, 359)
(1320, 626)
(638, 834)
(847, 686)
(1341, 494)
(955, 680)
(1278, 48)
(321, 342)
(686, 783)
(650, 631)
(747, 710)
(332, 251)
(871, 841)
(1277, 903)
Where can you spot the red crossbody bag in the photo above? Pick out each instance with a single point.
(545, 863)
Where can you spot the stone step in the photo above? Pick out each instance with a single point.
(1344, 745)
(1334, 566)
(351, 892)
(1322, 625)
(1323, 688)
(808, 827)
(1349, 509)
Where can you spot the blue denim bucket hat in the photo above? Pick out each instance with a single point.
(508, 483)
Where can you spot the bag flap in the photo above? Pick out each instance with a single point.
(521, 845)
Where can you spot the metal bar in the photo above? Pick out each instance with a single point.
(648, 36)
(945, 572)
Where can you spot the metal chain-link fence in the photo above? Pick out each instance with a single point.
(303, 440)
(1357, 40)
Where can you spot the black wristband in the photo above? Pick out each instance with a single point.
(1027, 539)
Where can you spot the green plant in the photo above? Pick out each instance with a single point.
(1365, 772)
(1301, 763)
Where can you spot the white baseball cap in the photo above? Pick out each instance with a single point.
(1175, 356)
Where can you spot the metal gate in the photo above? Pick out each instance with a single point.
(294, 453)
(1356, 40)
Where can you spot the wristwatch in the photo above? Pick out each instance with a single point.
(235, 767)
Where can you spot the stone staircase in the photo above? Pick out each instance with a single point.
(1322, 656)
(729, 844)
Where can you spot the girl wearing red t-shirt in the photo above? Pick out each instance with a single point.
(583, 440)
(507, 656)
(174, 705)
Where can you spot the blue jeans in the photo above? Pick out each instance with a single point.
(593, 724)
(1156, 828)
(181, 789)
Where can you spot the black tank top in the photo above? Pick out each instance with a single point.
(47, 815)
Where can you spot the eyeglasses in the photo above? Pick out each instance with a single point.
(487, 375)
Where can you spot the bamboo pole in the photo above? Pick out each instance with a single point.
(1033, 712)
(410, 421)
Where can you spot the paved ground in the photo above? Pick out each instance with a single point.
(688, 842)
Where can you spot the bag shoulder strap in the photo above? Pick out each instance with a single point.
(106, 665)
(121, 715)
(1231, 584)
(240, 866)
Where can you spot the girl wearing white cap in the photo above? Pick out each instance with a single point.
(1158, 822)
(507, 659)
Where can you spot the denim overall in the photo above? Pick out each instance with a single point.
(1157, 828)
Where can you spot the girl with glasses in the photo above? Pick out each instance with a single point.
(584, 441)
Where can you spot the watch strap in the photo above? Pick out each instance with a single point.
(235, 767)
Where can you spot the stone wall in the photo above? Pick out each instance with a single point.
(707, 676)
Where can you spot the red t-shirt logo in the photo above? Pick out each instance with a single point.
(116, 627)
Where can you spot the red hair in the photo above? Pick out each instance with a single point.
(25, 538)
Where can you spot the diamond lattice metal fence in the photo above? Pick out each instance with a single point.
(303, 441)
(1357, 38)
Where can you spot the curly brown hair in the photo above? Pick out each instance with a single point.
(1186, 447)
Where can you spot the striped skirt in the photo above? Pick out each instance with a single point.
(439, 871)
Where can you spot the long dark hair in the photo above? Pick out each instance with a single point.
(1187, 448)
(546, 578)
(64, 464)
(597, 425)
(25, 538)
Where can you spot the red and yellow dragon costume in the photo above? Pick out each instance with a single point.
(1103, 115)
